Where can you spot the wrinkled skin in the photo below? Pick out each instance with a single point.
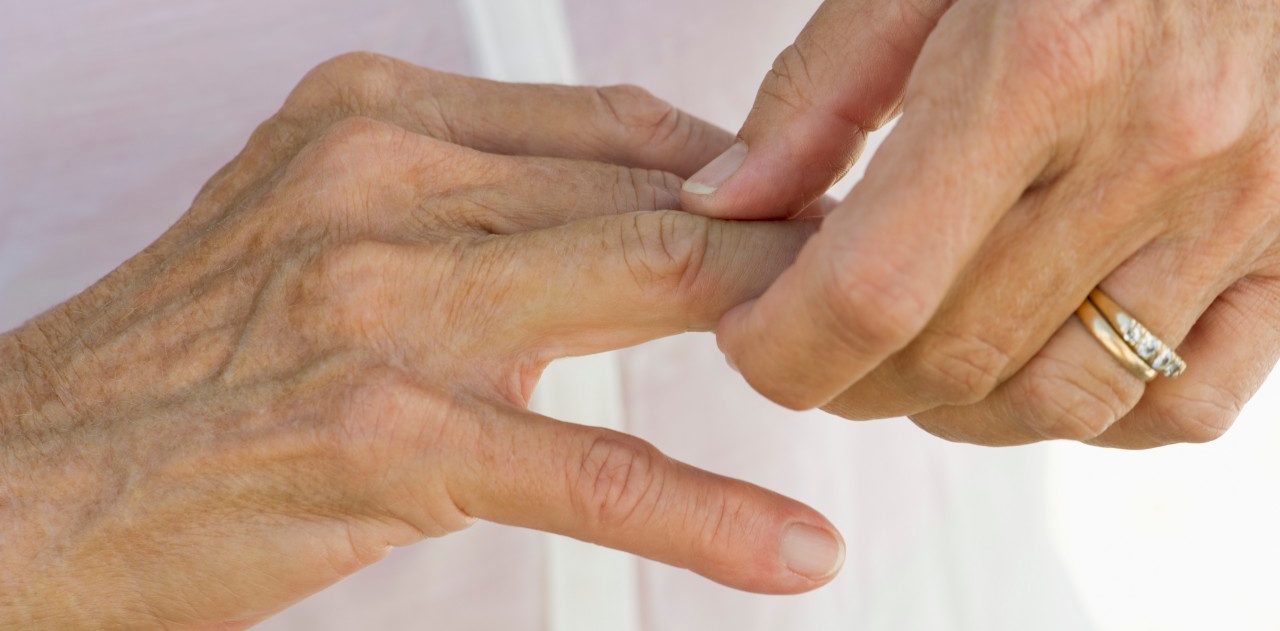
(331, 354)
(1046, 147)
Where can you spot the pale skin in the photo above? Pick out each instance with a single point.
(1045, 147)
(331, 354)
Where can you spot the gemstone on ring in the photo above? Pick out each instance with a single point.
(1151, 349)
(1169, 363)
(1129, 328)
(1105, 332)
(1148, 347)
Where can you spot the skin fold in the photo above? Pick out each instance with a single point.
(1045, 147)
(331, 354)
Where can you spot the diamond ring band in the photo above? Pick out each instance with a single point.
(1132, 344)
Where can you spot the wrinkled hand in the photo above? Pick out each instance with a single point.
(332, 351)
(1046, 147)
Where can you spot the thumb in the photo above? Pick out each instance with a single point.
(618, 491)
(843, 77)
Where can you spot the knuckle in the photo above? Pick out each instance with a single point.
(722, 518)
(358, 134)
(1191, 126)
(789, 81)
(641, 118)
(351, 145)
(958, 370)
(618, 479)
(876, 305)
(916, 12)
(1197, 417)
(357, 63)
(638, 189)
(347, 165)
(632, 106)
(1069, 402)
(906, 16)
(345, 83)
(277, 138)
(664, 250)
(1063, 49)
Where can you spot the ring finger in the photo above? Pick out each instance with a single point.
(1234, 347)
(1074, 388)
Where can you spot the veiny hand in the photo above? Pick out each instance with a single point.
(1046, 147)
(332, 351)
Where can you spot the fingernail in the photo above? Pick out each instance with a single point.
(811, 552)
(706, 181)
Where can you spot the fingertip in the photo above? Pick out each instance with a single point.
(747, 182)
(790, 164)
(701, 193)
(807, 553)
(798, 551)
(813, 552)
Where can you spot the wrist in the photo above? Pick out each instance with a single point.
(42, 483)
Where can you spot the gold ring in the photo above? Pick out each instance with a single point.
(1111, 340)
(1151, 349)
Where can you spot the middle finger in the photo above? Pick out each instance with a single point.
(1032, 273)
(1073, 388)
(617, 124)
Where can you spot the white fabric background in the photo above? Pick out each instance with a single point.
(113, 113)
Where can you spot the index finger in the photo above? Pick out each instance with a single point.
(618, 491)
(610, 282)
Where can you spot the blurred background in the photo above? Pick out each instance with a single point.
(1185, 537)
(112, 114)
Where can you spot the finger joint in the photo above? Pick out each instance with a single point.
(958, 369)
(1070, 402)
(618, 480)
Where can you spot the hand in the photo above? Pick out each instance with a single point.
(1046, 147)
(332, 351)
